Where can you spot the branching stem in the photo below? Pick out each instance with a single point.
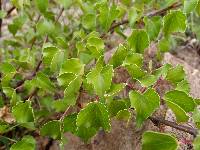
(183, 128)
(151, 14)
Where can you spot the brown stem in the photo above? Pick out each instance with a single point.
(34, 39)
(32, 94)
(183, 128)
(154, 13)
(40, 62)
(10, 11)
(164, 10)
(64, 114)
(20, 83)
(58, 17)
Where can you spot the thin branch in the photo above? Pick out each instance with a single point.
(183, 128)
(20, 84)
(32, 94)
(10, 11)
(64, 114)
(34, 39)
(164, 10)
(59, 15)
(12, 140)
(154, 13)
(56, 21)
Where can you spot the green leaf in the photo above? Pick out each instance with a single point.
(197, 101)
(153, 26)
(86, 133)
(135, 71)
(7, 68)
(51, 129)
(196, 143)
(45, 27)
(96, 42)
(42, 5)
(164, 45)
(134, 58)
(65, 3)
(183, 86)
(60, 105)
(4, 127)
(156, 141)
(180, 114)
(162, 71)
(72, 65)
(189, 5)
(44, 82)
(137, 37)
(69, 123)
(94, 116)
(72, 91)
(176, 74)
(181, 99)
(23, 112)
(148, 80)
(57, 61)
(53, 57)
(47, 102)
(101, 79)
(17, 24)
(119, 56)
(126, 2)
(2, 14)
(114, 89)
(115, 106)
(85, 58)
(133, 16)
(175, 21)
(94, 53)
(144, 104)
(198, 8)
(89, 21)
(27, 143)
(196, 117)
(123, 115)
(8, 91)
(65, 78)
(107, 15)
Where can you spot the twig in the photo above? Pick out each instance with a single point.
(155, 13)
(32, 94)
(8, 138)
(10, 11)
(37, 68)
(20, 83)
(5, 98)
(183, 128)
(58, 17)
(64, 114)
(164, 10)
(34, 39)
